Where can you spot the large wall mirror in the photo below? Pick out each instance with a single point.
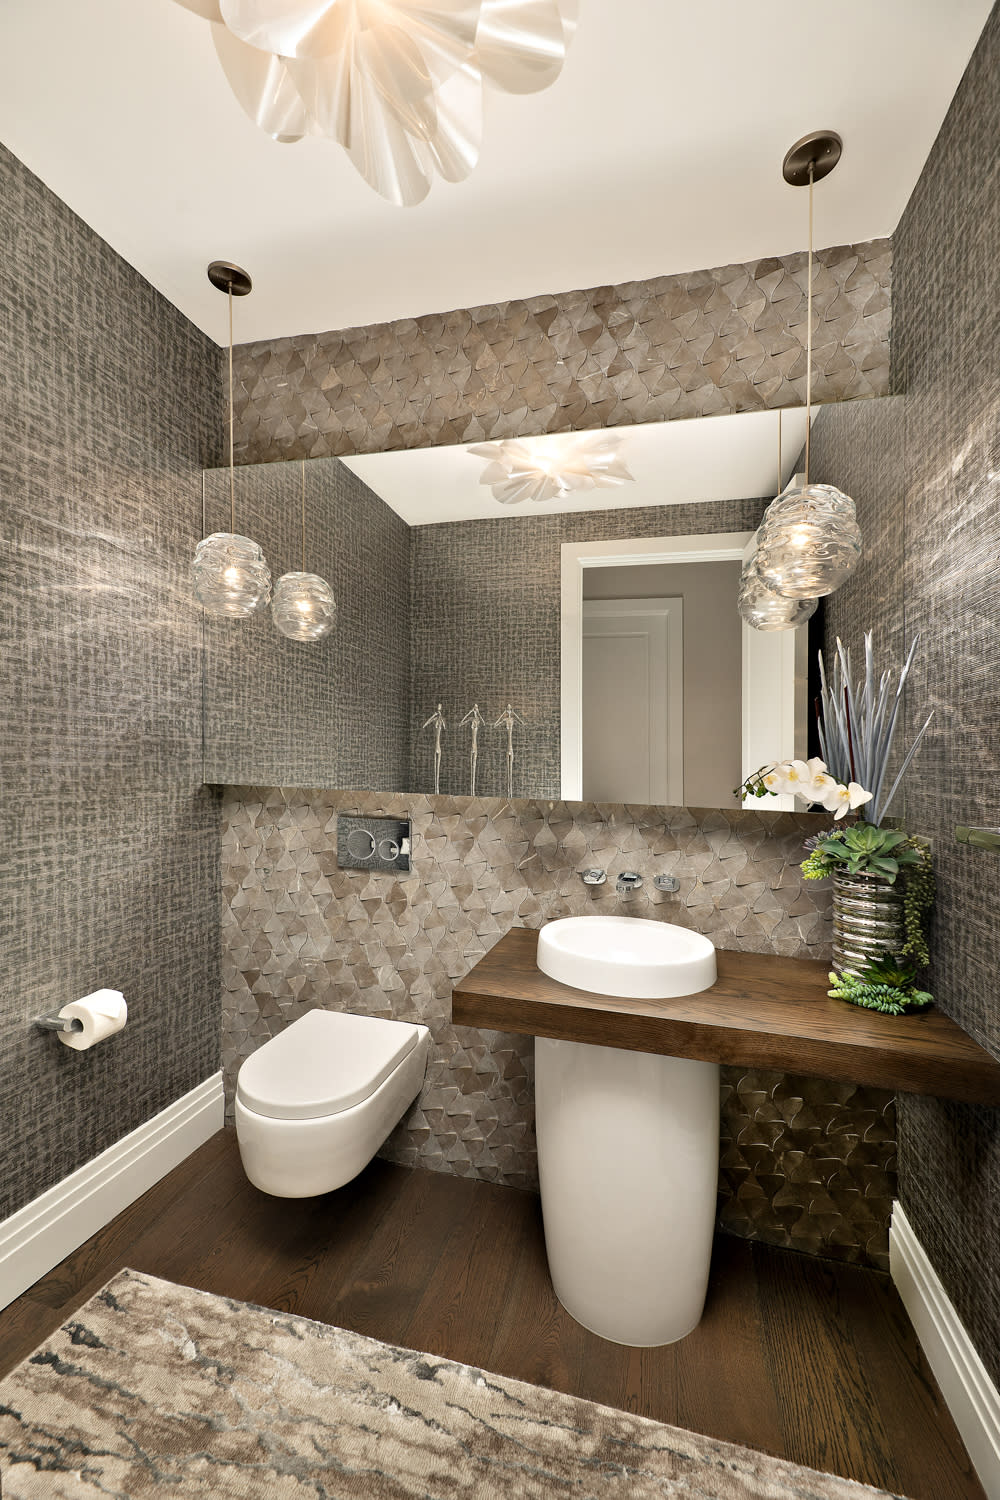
(606, 620)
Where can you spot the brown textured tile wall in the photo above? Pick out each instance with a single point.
(110, 867)
(729, 339)
(808, 1163)
(925, 476)
(805, 1162)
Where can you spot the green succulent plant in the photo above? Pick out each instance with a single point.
(892, 968)
(861, 849)
(887, 985)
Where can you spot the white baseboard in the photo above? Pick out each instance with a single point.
(971, 1396)
(39, 1235)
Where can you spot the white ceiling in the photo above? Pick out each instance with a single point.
(674, 463)
(657, 151)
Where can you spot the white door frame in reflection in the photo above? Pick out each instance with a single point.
(774, 678)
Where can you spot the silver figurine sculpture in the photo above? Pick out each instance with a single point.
(438, 720)
(508, 719)
(475, 718)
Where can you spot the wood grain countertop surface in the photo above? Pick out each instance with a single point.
(763, 1011)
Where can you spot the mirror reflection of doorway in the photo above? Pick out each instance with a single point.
(633, 701)
(745, 692)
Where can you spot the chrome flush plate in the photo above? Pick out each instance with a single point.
(365, 843)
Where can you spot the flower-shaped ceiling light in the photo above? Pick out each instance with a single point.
(397, 82)
(551, 469)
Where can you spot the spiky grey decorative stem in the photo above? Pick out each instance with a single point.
(866, 721)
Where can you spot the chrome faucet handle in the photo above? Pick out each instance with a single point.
(666, 883)
(627, 881)
(593, 877)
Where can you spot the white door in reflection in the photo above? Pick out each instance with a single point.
(633, 701)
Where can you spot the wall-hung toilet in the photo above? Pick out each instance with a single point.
(314, 1104)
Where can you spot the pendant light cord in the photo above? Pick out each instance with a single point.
(778, 490)
(809, 323)
(232, 420)
(303, 515)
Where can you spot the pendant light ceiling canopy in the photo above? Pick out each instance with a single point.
(398, 83)
(549, 469)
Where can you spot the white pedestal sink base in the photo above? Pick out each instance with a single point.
(628, 1156)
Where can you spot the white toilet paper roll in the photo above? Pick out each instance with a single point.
(102, 1014)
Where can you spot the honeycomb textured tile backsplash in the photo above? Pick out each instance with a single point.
(808, 1163)
(730, 339)
(804, 1160)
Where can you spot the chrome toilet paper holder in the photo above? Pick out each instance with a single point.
(81, 1024)
(56, 1022)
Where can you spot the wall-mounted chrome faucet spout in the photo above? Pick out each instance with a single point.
(627, 882)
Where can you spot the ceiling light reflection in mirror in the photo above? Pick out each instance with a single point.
(672, 463)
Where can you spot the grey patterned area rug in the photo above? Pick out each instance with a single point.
(153, 1389)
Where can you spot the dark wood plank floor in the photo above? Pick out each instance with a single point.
(803, 1358)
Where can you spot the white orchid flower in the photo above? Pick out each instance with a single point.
(841, 800)
(776, 777)
(797, 775)
(822, 785)
(808, 779)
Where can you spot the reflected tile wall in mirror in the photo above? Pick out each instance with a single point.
(335, 711)
(455, 613)
(486, 625)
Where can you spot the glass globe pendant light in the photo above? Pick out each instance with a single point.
(303, 607)
(764, 610)
(231, 576)
(758, 606)
(810, 541)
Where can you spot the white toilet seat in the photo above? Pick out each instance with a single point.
(325, 1062)
(329, 1089)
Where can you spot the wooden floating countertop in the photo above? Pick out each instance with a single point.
(763, 1011)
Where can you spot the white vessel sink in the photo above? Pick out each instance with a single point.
(630, 957)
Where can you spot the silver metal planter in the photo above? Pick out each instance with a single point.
(867, 921)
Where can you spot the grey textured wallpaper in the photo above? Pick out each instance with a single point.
(804, 1162)
(110, 867)
(925, 478)
(326, 713)
(486, 623)
(723, 340)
